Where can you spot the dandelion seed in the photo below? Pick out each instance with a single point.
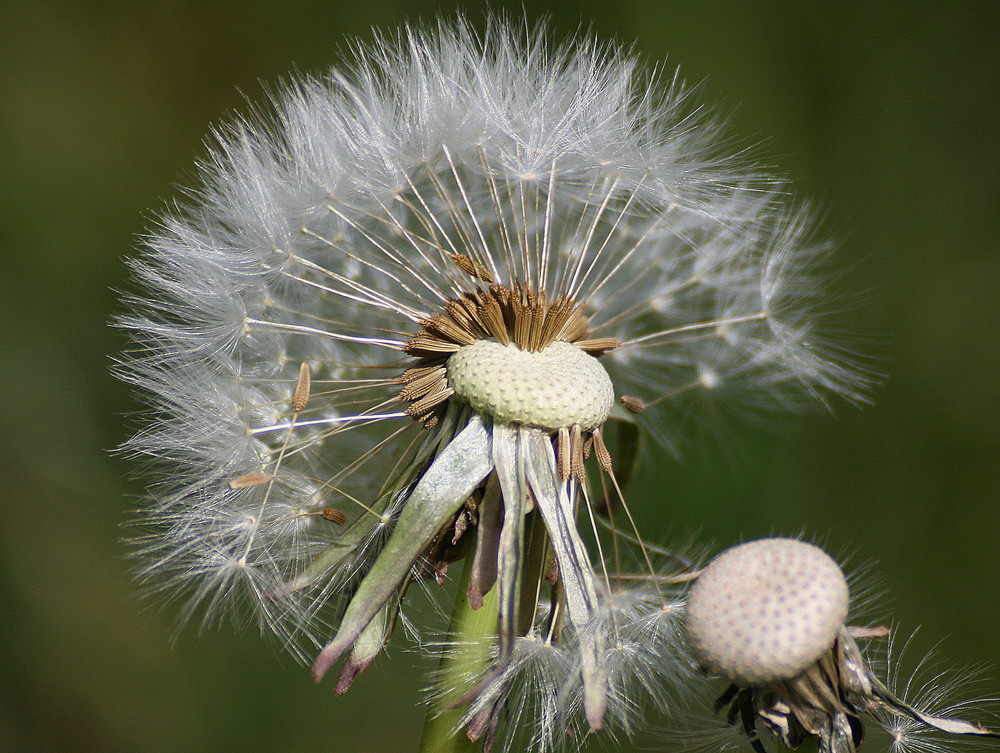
(251, 479)
(769, 616)
(333, 515)
(300, 398)
(408, 302)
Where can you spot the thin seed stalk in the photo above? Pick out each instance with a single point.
(471, 634)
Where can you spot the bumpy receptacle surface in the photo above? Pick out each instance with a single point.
(558, 386)
(766, 610)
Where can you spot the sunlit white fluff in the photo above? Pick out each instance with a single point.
(538, 698)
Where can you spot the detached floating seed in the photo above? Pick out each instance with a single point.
(766, 610)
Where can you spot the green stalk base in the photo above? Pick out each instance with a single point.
(471, 636)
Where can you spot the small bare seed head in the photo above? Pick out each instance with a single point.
(766, 610)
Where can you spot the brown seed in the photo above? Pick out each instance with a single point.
(564, 454)
(603, 456)
(598, 345)
(301, 395)
(424, 344)
(446, 327)
(634, 404)
(250, 479)
(426, 403)
(333, 515)
(472, 267)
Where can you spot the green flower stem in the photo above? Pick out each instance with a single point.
(471, 635)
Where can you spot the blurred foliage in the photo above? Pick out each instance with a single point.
(887, 115)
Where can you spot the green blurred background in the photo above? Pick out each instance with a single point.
(886, 114)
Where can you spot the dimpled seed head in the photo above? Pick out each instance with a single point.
(557, 386)
(766, 610)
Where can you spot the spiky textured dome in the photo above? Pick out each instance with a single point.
(766, 610)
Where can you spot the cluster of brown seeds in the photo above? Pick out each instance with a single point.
(517, 315)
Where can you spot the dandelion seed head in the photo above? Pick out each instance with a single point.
(769, 616)
(766, 610)
(388, 327)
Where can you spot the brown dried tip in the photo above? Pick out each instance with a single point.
(301, 395)
(472, 267)
(570, 452)
(634, 404)
(333, 515)
(250, 479)
(603, 456)
(598, 345)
